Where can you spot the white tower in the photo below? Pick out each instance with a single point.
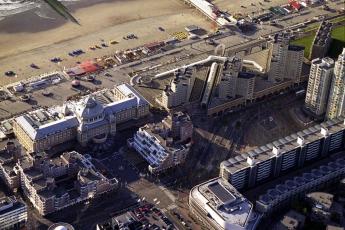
(336, 103)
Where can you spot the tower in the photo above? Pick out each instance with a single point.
(320, 76)
(336, 103)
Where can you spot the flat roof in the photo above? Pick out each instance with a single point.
(225, 201)
(42, 122)
(309, 177)
(285, 144)
(8, 204)
(223, 194)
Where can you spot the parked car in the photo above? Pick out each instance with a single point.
(10, 73)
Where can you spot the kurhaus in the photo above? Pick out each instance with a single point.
(92, 118)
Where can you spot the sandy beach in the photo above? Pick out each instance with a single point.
(27, 38)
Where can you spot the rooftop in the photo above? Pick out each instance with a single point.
(8, 204)
(229, 207)
(293, 220)
(296, 48)
(321, 198)
(246, 75)
(279, 190)
(324, 63)
(43, 122)
(283, 145)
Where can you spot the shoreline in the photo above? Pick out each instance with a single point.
(115, 19)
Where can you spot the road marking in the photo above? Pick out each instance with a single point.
(168, 193)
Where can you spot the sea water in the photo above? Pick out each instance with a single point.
(10, 7)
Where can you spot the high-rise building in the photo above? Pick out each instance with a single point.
(245, 85)
(285, 60)
(179, 90)
(320, 77)
(279, 49)
(227, 83)
(336, 103)
(322, 41)
(294, 63)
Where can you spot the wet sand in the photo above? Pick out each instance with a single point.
(27, 39)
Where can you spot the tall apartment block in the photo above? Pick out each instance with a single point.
(278, 55)
(285, 60)
(322, 41)
(283, 155)
(227, 81)
(319, 83)
(178, 91)
(13, 213)
(336, 102)
(294, 63)
(245, 85)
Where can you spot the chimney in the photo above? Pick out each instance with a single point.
(300, 141)
(250, 161)
(324, 131)
(275, 150)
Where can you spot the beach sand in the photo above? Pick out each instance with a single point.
(27, 39)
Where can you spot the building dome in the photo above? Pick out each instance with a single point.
(61, 226)
(89, 108)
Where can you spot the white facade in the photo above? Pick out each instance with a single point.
(320, 77)
(336, 103)
(285, 60)
(179, 90)
(166, 144)
(210, 83)
(154, 150)
(13, 214)
(279, 53)
(218, 205)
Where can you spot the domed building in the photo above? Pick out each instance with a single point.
(94, 123)
(91, 118)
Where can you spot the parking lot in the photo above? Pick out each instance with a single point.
(152, 217)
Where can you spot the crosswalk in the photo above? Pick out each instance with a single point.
(170, 207)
